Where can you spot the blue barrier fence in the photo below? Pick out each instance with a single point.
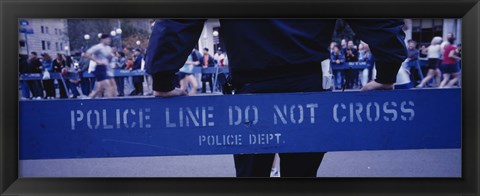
(257, 123)
(210, 70)
(116, 73)
(349, 65)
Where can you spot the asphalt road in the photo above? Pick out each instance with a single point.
(395, 163)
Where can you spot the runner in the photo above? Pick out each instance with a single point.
(186, 76)
(102, 54)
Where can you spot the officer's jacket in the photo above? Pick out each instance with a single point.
(267, 49)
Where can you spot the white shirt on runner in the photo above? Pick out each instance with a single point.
(102, 53)
(434, 52)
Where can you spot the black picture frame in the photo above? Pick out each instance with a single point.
(12, 10)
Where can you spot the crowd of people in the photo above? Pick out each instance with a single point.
(347, 51)
(437, 64)
(428, 65)
(102, 60)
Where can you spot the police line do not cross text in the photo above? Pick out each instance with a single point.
(234, 115)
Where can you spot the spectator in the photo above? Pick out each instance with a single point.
(332, 45)
(220, 58)
(128, 80)
(72, 67)
(120, 64)
(222, 63)
(412, 61)
(338, 74)
(433, 54)
(48, 85)
(101, 54)
(343, 44)
(351, 55)
(216, 57)
(450, 67)
(137, 80)
(423, 59)
(368, 58)
(23, 69)
(85, 82)
(336, 57)
(58, 65)
(206, 62)
(35, 66)
(361, 51)
(423, 52)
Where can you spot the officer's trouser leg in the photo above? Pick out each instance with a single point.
(253, 165)
(300, 164)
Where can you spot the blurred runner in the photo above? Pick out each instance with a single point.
(102, 55)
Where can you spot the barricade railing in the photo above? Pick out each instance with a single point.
(349, 65)
(235, 124)
(130, 73)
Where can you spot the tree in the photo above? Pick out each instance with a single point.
(135, 30)
(342, 31)
(78, 28)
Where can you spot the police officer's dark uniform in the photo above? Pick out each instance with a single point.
(267, 56)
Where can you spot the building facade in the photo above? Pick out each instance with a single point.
(43, 36)
(423, 30)
(210, 37)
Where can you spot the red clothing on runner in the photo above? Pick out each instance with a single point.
(446, 58)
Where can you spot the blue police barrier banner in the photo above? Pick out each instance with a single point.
(234, 124)
(119, 73)
(116, 73)
(39, 76)
(350, 65)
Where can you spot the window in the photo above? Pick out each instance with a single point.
(56, 31)
(21, 43)
(423, 30)
(56, 46)
(59, 31)
(61, 46)
(42, 29)
(46, 30)
(48, 45)
(43, 45)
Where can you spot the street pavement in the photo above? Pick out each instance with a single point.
(394, 163)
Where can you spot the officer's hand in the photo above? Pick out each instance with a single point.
(376, 86)
(173, 93)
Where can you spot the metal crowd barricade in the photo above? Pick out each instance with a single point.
(349, 65)
(39, 76)
(128, 73)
